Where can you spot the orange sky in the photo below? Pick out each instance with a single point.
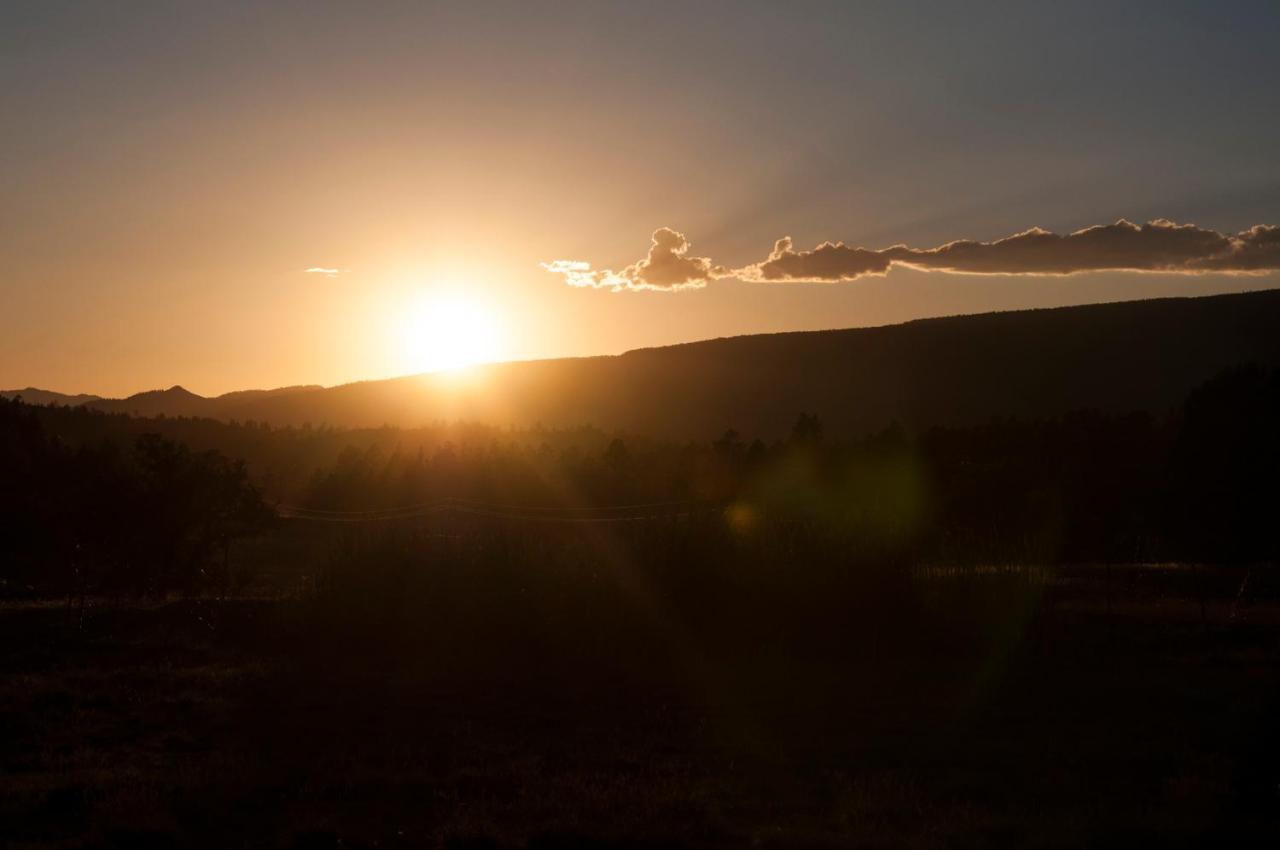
(168, 175)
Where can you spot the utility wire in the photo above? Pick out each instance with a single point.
(473, 507)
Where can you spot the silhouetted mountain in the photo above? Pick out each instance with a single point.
(233, 398)
(1139, 355)
(175, 401)
(1126, 356)
(31, 395)
(179, 401)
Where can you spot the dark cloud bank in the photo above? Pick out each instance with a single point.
(1157, 246)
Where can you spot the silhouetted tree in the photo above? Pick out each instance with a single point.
(1223, 499)
(616, 455)
(155, 519)
(807, 430)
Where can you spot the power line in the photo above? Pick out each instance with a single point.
(371, 512)
(498, 510)
(578, 519)
(565, 509)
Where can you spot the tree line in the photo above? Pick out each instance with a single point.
(1198, 484)
(153, 505)
(147, 517)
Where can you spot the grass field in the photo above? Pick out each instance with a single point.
(1100, 709)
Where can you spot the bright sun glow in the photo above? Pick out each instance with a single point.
(443, 333)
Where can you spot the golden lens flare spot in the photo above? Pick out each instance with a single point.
(742, 517)
(446, 333)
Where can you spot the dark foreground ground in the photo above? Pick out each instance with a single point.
(1094, 712)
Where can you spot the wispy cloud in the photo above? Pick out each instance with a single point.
(1157, 246)
(324, 271)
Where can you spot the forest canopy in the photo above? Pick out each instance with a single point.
(151, 505)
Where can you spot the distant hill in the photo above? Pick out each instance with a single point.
(175, 401)
(1140, 355)
(31, 395)
(179, 401)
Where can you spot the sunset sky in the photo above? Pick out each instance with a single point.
(264, 194)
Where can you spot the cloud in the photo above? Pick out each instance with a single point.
(1160, 245)
(324, 271)
(829, 261)
(1157, 246)
(1254, 250)
(667, 268)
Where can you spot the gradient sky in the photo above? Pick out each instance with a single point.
(168, 171)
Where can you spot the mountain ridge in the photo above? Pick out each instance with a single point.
(1132, 355)
(35, 395)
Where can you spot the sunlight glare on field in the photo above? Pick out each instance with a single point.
(443, 333)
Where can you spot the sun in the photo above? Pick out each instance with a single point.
(444, 332)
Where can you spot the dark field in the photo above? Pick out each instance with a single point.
(464, 636)
(1063, 707)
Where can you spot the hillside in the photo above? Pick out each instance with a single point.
(1127, 356)
(32, 395)
(179, 401)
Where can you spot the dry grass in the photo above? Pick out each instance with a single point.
(1085, 722)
